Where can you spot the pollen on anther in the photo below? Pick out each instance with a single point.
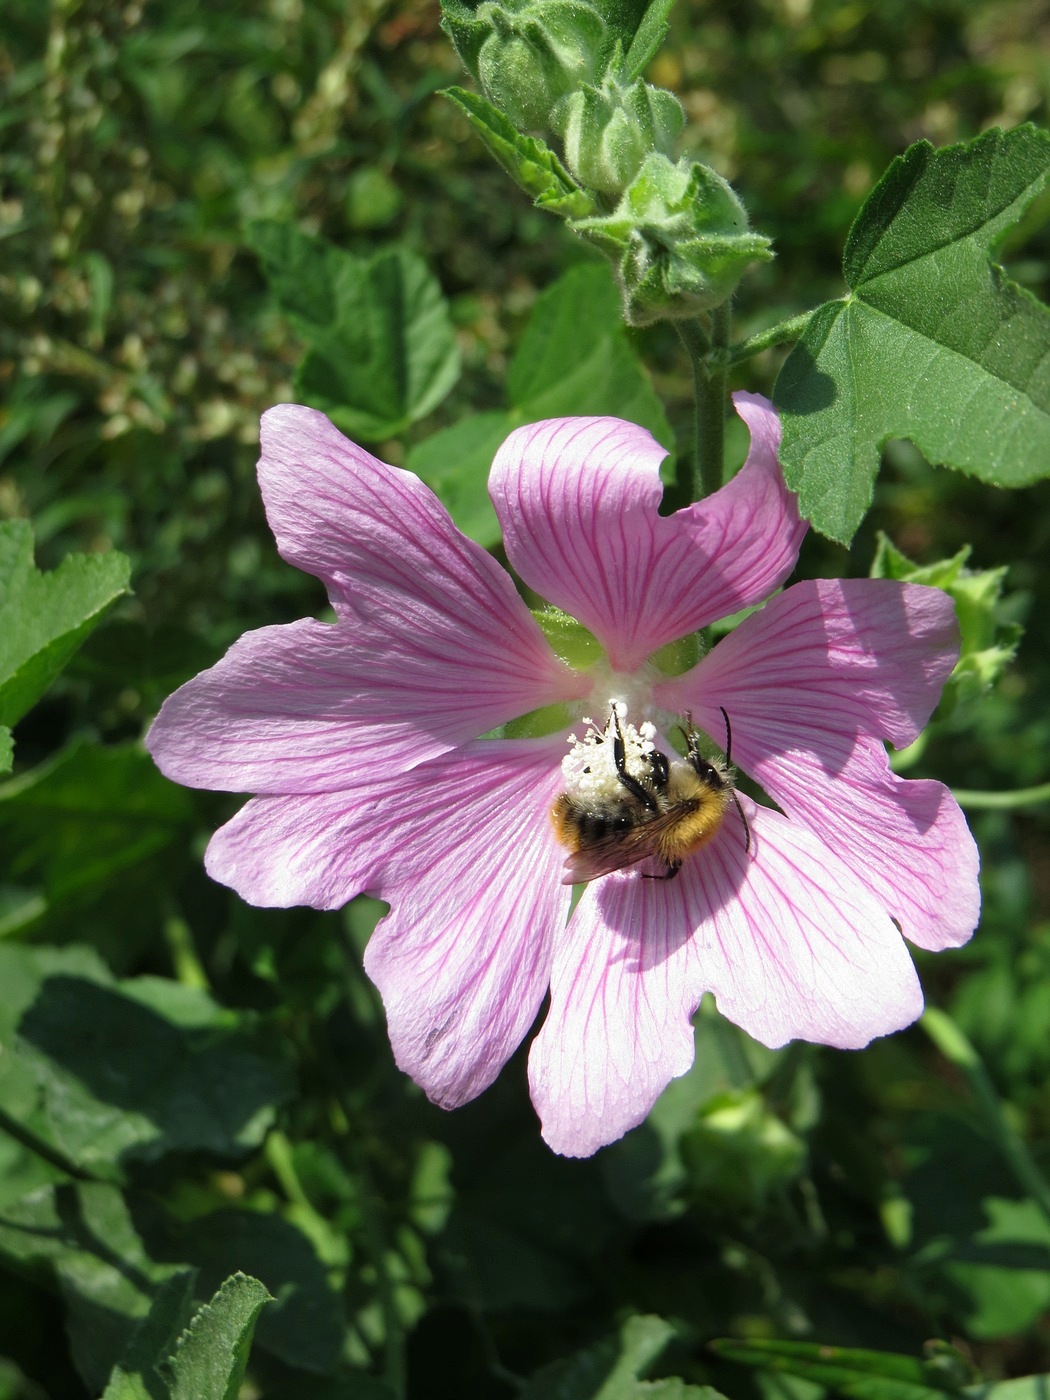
(589, 768)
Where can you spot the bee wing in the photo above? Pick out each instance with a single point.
(614, 852)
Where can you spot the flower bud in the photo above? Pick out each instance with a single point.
(527, 54)
(680, 239)
(608, 131)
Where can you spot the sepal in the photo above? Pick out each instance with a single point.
(529, 162)
(680, 240)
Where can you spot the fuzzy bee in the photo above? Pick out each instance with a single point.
(642, 804)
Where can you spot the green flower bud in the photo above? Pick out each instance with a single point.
(527, 54)
(608, 131)
(680, 239)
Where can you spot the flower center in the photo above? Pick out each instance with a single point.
(590, 767)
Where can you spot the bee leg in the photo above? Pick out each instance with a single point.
(669, 874)
(634, 787)
(743, 818)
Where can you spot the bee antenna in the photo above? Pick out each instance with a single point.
(729, 740)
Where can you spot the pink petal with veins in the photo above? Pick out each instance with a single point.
(790, 944)
(463, 851)
(578, 501)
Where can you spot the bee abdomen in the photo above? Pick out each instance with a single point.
(579, 826)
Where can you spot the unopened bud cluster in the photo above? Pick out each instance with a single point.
(675, 231)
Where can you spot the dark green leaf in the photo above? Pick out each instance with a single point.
(79, 823)
(933, 344)
(102, 1071)
(80, 1239)
(136, 1375)
(612, 1370)
(382, 351)
(212, 1353)
(44, 618)
(304, 1326)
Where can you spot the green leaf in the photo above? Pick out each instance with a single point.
(101, 1071)
(79, 825)
(651, 34)
(44, 618)
(305, 1325)
(136, 1377)
(455, 464)
(528, 161)
(212, 1353)
(1002, 1270)
(382, 351)
(575, 358)
(612, 1369)
(861, 1375)
(1020, 1388)
(934, 343)
(79, 1238)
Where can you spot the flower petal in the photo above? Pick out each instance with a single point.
(811, 684)
(623, 990)
(433, 647)
(463, 960)
(847, 655)
(790, 944)
(578, 501)
(313, 707)
(463, 851)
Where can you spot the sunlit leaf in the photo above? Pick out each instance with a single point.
(934, 343)
(45, 618)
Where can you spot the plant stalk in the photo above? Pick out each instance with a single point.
(711, 407)
(779, 334)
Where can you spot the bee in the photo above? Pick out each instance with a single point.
(664, 808)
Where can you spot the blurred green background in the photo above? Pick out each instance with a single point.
(857, 1199)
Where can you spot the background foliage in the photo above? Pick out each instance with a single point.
(200, 209)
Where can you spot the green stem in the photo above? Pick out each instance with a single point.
(779, 334)
(189, 970)
(1002, 801)
(687, 469)
(711, 407)
(395, 1370)
(953, 1044)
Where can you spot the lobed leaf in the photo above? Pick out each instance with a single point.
(934, 342)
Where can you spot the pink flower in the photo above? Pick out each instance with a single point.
(364, 740)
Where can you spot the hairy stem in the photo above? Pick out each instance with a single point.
(711, 407)
(779, 334)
